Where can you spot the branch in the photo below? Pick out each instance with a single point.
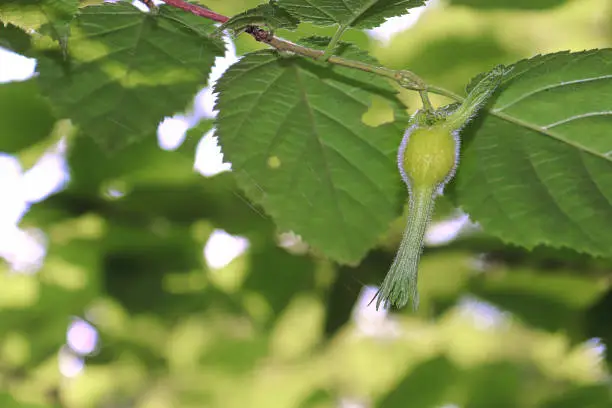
(404, 78)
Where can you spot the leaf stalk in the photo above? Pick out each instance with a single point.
(331, 47)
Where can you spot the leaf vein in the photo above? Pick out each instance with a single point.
(327, 172)
(548, 87)
(545, 132)
(576, 117)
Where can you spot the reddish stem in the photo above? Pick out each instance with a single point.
(197, 10)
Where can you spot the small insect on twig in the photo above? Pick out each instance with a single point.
(270, 16)
(150, 5)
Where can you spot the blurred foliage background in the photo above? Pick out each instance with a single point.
(126, 311)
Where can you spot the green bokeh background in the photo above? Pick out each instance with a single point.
(276, 327)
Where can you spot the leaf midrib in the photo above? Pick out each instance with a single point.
(359, 13)
(322, 9)
(128, 70)
(545, 132)
(314, 133)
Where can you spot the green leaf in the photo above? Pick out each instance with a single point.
(278, 276)
(54, 15)
(425, 387)
(597, 323)
(142, 163)
(14, 38)
(128, 70)
(193, 137)
(591, 396)
(292, 129)
(60, 13)
(497, 384)
(25, 117)
(537, 167)
(345, 289)
(509, 4)
(269, 15)
(137, 258)
(26, 14)
(553, 302)
(348, 13)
